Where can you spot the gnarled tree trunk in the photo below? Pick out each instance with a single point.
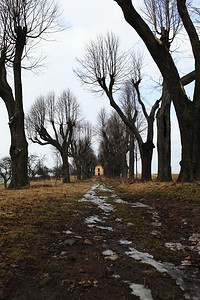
(18, 152)
(164, 137)
(65, 160)
(146, 158)
(131, 156)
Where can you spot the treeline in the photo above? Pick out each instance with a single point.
(108, 70)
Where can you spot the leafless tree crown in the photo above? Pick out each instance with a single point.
(104, 66)
(164, 17)
(30, 20)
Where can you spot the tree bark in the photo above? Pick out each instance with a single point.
(66, 175)
(146, 158)
(164, 137)
(18, 153)
(14, 105)
(131, 156)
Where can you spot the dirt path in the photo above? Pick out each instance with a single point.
(117, 246)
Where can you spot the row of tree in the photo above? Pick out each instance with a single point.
(23, 23)
(58, 122)
(105, 68)
(156, 37)
(118, 149)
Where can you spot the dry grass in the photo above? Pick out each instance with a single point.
(28, 217)
(39, 192)
(178, 191)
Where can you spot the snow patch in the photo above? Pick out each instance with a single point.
(140, 291)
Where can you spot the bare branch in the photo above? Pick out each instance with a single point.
(104, 67)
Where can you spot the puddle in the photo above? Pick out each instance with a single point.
(186, 277)
(140, 291)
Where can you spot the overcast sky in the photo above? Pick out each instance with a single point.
(85, 20)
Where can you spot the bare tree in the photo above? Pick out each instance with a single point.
(35, 163)
(81, 150)
(188, 112)
(52, 122)
(105, 69)
(113, 144)
(5, 170)
(165, 22)
(22, 24)
(130, 106)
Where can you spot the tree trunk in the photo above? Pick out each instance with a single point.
(131, 157)
(18, 153)
(164, 137)
(19, 145)
(78, 168)
(190, 139)
(146, 158)
(124, 165)
(66, 175)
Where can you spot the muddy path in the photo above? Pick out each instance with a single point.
(116, 246)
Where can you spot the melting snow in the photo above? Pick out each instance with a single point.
(68, 232)
(140, 291)
(125, 242)
(119, 201)
(175, 246)
(185, 278)
(139, 204)
(195, 237)
(105, 228)
(109, 254)
(93, 219)
(118, 220)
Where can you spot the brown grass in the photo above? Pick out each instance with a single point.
(174, 190)
(28, 217)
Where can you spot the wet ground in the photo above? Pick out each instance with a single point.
(118, 246)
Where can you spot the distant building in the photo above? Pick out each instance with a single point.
(98, 170)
